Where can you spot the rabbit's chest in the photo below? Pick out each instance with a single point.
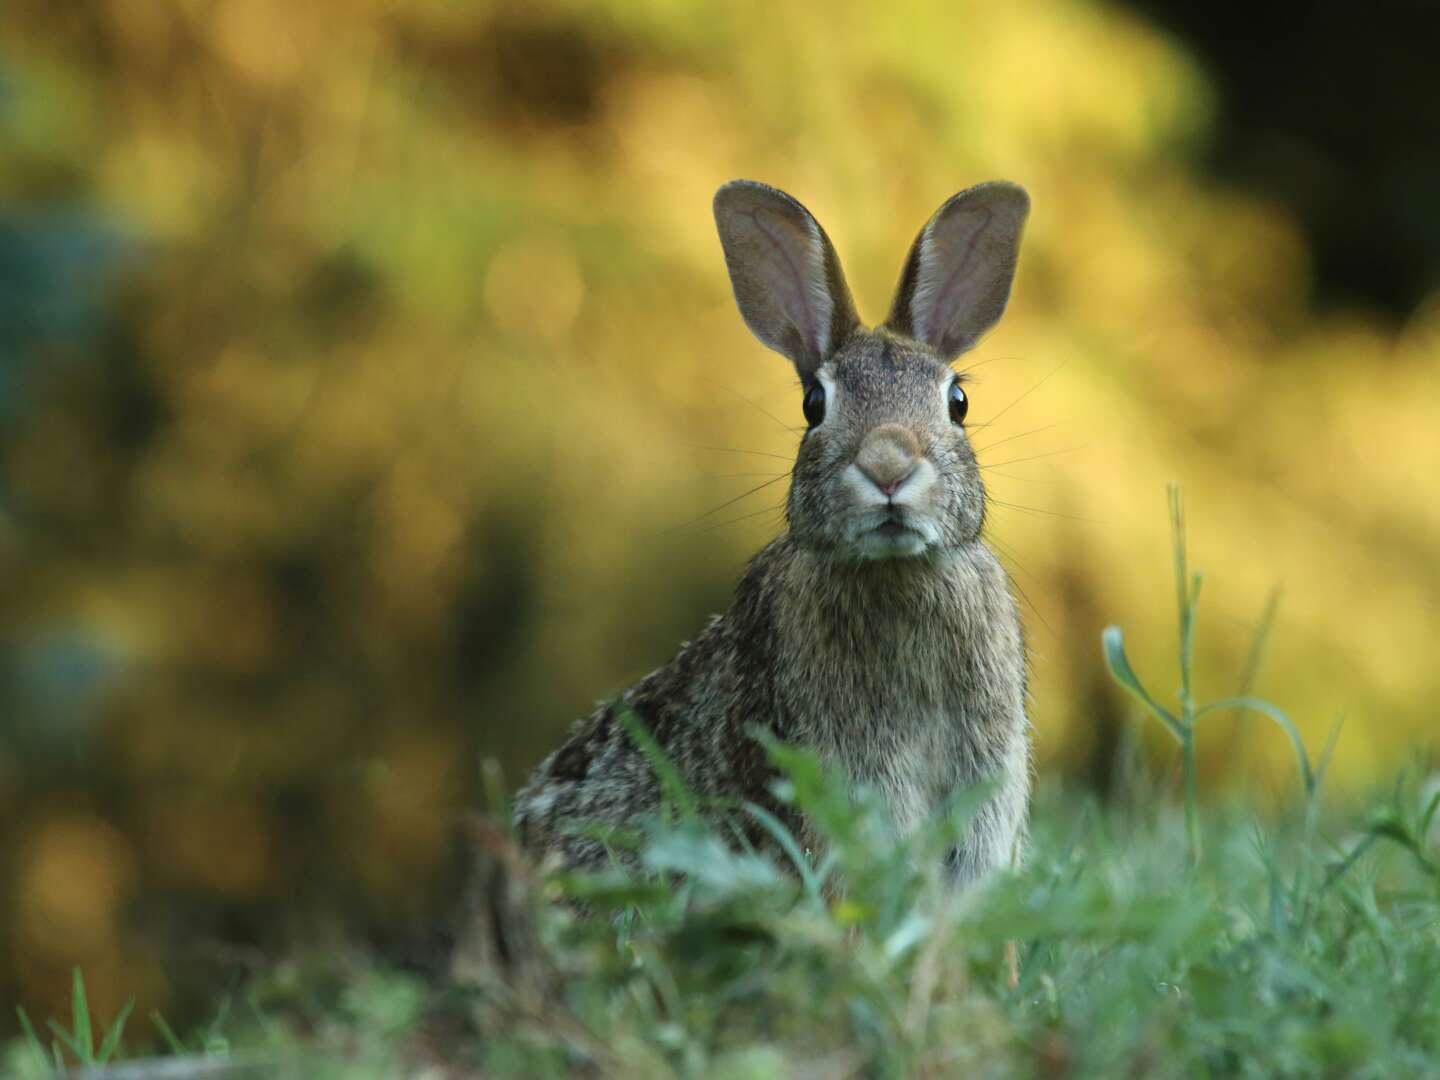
(913, 728)
(914, 695)
(901, 732)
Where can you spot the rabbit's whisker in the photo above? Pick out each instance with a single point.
(733, 450)
(1021, 479)
(988, 360)
(1034, 457)
(1009, 438)
(727, 502)
(754, 405)
(1008, 550)
(745, 517)
(1038, 510)
(1026, 394)
(1028, 602)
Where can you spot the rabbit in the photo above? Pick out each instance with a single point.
(880, 630)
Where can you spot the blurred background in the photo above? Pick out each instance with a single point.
(372, 400)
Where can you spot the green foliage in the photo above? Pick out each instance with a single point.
(1290, 950)
(1279, 954)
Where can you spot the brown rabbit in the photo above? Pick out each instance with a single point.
(880, 630)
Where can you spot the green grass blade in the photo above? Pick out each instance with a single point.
(1197, 579)
(1259, 644)
(112, 1038)
(1182, 580)
(1250, 674)
(786, 840)
(1348, 859)
(672, 784)
(1323, 765)
(1264, 707)
(32, 1040)
(1389, 825)
(167, 1033)
(82, 1053)
(1177, 543)
(1429, 814)
(1112, 640)
(80, 1018)
(216, 1044)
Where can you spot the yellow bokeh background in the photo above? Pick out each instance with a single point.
(439, 386)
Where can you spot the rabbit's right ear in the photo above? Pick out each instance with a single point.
(957, 279)
(786, 276)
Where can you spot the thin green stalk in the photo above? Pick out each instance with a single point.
(1182, 584)
(1187, 593)
(1192, 799)
(1251, 676)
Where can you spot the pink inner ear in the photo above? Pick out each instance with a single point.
(789, 266)
(948, 267)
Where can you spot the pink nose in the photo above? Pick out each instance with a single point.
(889, 456)
(888, 488)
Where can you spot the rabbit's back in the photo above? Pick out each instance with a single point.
(698, 709)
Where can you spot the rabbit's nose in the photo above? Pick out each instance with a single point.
(888, 457)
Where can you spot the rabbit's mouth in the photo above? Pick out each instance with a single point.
(892, 538)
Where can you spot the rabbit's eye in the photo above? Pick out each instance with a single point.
(814, 404)
(959, 404)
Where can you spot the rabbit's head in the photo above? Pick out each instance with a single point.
(885, 469)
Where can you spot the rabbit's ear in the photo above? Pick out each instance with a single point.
(786, 276)
(957, 278)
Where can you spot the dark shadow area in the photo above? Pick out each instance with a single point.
(1333, 109)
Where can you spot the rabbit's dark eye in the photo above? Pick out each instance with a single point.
(959, 404)
(814, 404)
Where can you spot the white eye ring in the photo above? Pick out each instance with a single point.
(826, 379)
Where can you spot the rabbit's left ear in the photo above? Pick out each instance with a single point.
(957, 279)
(786, 276)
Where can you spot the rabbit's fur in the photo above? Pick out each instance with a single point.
(880, 630)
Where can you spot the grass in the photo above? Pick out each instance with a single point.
(1153, 939)
(80, 1039)
(1181, 722)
